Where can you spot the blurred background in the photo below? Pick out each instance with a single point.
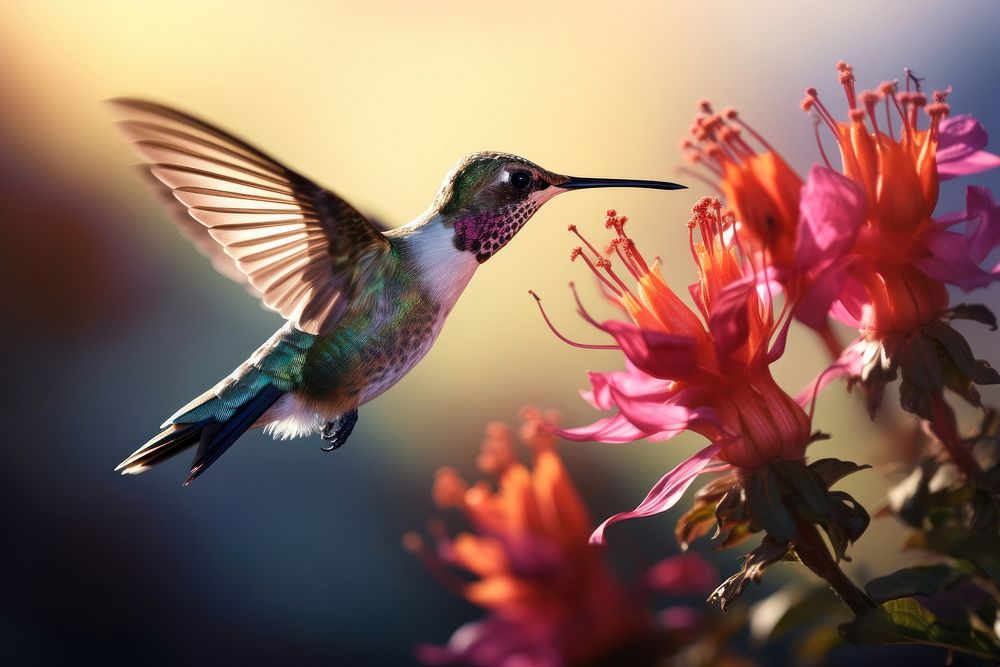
(284, 553)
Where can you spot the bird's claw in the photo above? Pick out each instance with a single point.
(337, 432)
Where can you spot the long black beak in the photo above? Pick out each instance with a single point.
(575, 183)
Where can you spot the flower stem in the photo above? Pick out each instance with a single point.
(946, 430)
(814, 554)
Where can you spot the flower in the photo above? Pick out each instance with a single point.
(961, 143)
(552, 597)
(861, 243)
(707, 372)
(882, 260)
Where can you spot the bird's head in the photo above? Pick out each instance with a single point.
(488, 197)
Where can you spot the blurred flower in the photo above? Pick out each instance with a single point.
(708, 374)
(552, 597)
(861, 244)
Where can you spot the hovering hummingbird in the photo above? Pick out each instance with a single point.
(363, 303)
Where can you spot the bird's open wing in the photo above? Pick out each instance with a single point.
(297, 244)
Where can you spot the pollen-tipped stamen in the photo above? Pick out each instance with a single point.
(573, 229)
(578, 252)
(887, 89)
(819, 142)
(813, 96)
(733, 115)
(847, 80)
(907, 128)
(869, 99)
(615, 246)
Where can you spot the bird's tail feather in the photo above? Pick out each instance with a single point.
(213, 436)
(172, 440)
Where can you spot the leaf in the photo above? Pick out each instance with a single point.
(849, 520)
(766, 509)
(906, 621)
(980, 549)
(925, 580)
(919, 364)
(961, 367)
(789, 610)
(976, 312)
(695, 523)
(910, 498)
(738, 534)
(766, 554)
(834, 470)
(805, 490)
(817, 644)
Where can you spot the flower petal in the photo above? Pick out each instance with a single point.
(666, 492)
(848, 365)
(961, 140)
(631, 381)
(949, 260)
(613, 430)
(659, 354)
(823, 290)
(983, 231)
(831, 213)
(729, 322)
(664, 419)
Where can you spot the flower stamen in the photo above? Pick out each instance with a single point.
(732, 114)
(887, 89)
(819, 141)
(812, 101)
(578, 252)
(560, 336)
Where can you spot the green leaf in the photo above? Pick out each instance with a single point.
(923, 580)
(906, 621)
(790, 610)
(976, 312)
(834, 470)
(766, 509)
(980, 549)
(847, 522)
(920, 365)
(804, 490)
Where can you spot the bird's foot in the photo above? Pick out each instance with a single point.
(337, 432)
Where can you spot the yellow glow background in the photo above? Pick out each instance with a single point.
(376, 101)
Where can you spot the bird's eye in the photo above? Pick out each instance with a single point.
(520, 180)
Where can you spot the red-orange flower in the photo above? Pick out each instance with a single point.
(706, 372)
(886, 275)
(552, 597)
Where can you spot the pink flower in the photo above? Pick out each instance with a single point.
(860, 242)
(886, 261)
(706, 372)
(956, 257)
(960, 152)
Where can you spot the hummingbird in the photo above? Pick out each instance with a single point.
(363, 303)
